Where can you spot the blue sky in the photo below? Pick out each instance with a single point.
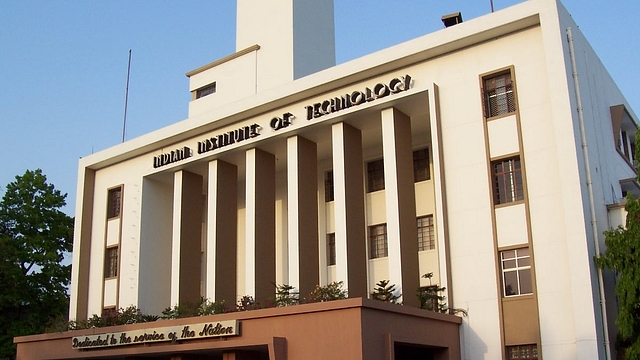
(63, 64)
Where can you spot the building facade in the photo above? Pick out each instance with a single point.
(491, 154)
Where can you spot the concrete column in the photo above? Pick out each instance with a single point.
(402, 233)
(260, 224)
(350, 226)
(222, 232)
(79, 302)
(302, 203)
(186, 237)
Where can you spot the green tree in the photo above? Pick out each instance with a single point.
(385, 292)
(623, 257)
(34, 237)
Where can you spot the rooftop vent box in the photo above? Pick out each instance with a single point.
(452, 19)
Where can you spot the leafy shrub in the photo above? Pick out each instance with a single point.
(191, 309)
(329, 292)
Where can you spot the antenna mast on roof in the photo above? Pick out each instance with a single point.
(491, 1)
(126, 98)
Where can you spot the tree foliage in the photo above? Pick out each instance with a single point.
(385, 292)
(34, 236)
(623, 256)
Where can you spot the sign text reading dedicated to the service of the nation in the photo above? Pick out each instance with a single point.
(170, 333)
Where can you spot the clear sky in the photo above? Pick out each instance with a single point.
(63, 64)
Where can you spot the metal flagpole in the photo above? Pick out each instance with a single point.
(126, 98)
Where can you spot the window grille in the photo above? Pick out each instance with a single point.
(498, 95)
(114, 202)
(507, 181)
(378, 241)
(426, 235)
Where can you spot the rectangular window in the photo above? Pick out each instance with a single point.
(375, 175)
(378, 241)
(114, 202)
(498, 95)
(426, 235)
(516, 272)
(206, 90)
(331, 249)
(518, 352)
(328, 186)
(507, 181)
(626, 145)
(421, 171)
(111, 262)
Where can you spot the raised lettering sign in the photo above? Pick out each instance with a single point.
(380, 90)
(171, 333)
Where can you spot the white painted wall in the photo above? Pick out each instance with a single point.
(235, 79)
(154, 289)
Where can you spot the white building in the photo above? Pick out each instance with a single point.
(490, 153)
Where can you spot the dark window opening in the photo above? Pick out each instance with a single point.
(375, 175)
(206, 90)
(114, 203)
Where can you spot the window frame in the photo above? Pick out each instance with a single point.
(488, 92)
(112, 262)
(331, 249)
(114, 204)
(378, 241)
(329, 189)
(531, 349)
(206, 90)
(420, 171)
(507, 186)
(426, 233)
(522, 264)
(375, 175)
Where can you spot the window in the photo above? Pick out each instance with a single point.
(206, 90)
(375, 175)
(516, 272)
(426, 236)
(626, 145)
(111, 262)
(328, 186)
(331, 249)
(498, 95)
(421, 165)
(378, 241)
(507, 181)
(624, 132)
(523, 352)
(114, 202)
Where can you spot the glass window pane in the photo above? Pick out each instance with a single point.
(510, 283)
(510, 254)
(526, 286)
(508, 264)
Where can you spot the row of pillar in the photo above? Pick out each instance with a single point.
(302, 221)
